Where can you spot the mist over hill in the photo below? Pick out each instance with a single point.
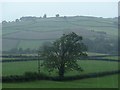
(99, 34)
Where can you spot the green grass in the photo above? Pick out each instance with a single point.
(102, 82)
(18, 68)
(72, 22)
(89, 23)
(56, 24)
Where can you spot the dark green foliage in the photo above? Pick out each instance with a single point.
(28, 76)
(31, 76)
(63, 54)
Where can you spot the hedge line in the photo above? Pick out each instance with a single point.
(31, 76)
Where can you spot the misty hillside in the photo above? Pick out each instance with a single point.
(99, 34)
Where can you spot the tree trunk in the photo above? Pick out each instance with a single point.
(61, 71)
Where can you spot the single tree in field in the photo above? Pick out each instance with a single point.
(62, 54)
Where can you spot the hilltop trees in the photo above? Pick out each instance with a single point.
(17, 20)
(44, 16)
(62, 55)
(57, 15)
(4, 22)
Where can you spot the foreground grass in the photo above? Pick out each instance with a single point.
(89, 66)
(102, 82)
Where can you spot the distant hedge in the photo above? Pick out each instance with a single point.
(31, 76)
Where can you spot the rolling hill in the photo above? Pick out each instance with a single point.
(32, 32)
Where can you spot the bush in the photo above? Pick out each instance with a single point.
(28, 76)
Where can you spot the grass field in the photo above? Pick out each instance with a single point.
(52, 28)
(89, 66)
(103, 82)
(18, 68)
(97, 24)
(18, 34)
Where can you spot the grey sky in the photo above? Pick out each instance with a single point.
(12, 11)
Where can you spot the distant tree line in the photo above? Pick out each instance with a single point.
(98, 45)
(102, 45)
(29, 18)
(20, 51)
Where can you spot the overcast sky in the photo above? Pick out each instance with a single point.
(12, 11)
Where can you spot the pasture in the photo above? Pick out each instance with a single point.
(48, 24)
(89, 66)
(18, 35)
(49, 29)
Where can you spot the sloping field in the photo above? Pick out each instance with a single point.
(62, 23)
(42, 29)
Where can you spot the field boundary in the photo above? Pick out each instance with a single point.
(35, 58)
(35, 76)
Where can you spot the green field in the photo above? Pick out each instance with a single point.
(89, 66)
(103, 82)
(97, 24)
(46, 29)
(29, 34)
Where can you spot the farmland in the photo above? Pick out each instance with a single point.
(49, 24)
(17, 68)
(99, 34)
(89, 66)
(18, 34)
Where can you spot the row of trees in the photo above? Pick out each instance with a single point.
(102, 45)
(99, 45)
(29, 18)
